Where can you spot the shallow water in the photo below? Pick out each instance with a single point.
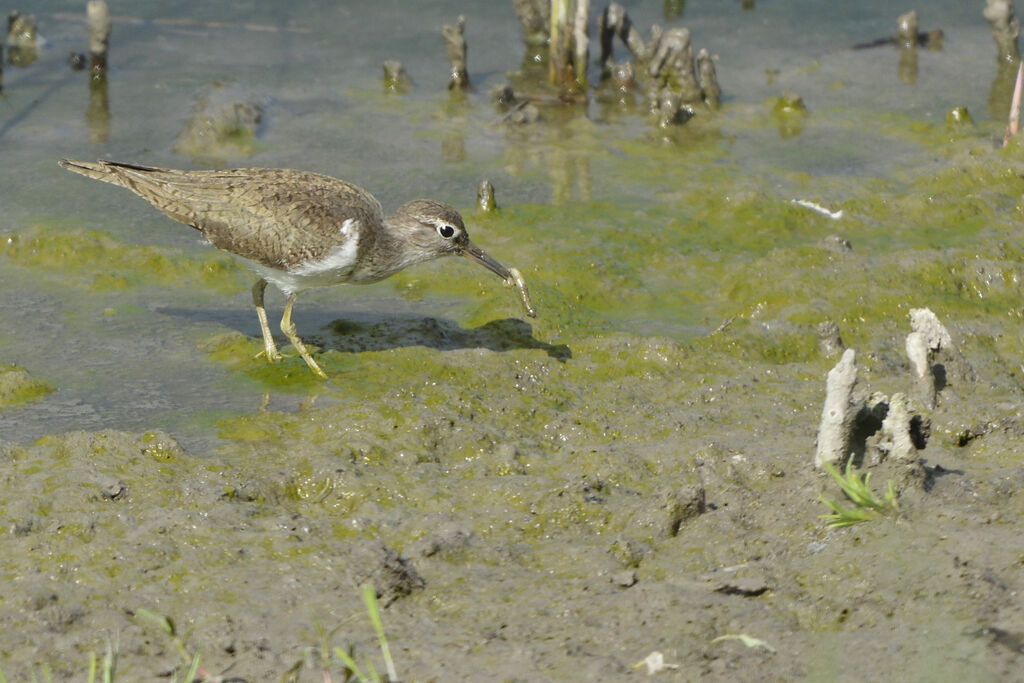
(537, 456)
(325, 112)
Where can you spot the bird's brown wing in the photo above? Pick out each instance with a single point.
(277, 217)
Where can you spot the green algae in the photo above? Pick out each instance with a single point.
(690, 257)
(246, 355)
(700, 248)
(97, 260)
(159, 447)
(435, 422)
(751, 342)
(694, 242)
(17, 386)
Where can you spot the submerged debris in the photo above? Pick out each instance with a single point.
(615, 22)
(667, 64)
(485, 197)
(673, 79)
(908, 35)
(224, 124)
(22, 39)
(523, 114)
(535, 16)
(569, 45)
(395, 77)
(455, 47)
(98, 17)
(504, 97)
(517, 112)
(559, 46)
(789, 111)
(581, 42)
(78, 61)
(1013, 120)
(957, 117)
(1005, 28)
(672, 65)
(907, 40)
(97, 116)
(668, 105)
(708, 79)
(622, 76)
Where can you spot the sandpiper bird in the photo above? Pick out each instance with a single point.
(300, 230)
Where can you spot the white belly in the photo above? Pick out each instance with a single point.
(333, 269)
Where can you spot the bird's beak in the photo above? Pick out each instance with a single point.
(475, 253)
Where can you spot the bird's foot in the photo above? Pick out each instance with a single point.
(316, 368)
(276, 356)
(272, 355)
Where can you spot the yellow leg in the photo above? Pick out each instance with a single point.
(270, 348)
(288, 327)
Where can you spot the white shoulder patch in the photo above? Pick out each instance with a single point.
(337, 264)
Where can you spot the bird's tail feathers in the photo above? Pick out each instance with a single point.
(104, 170)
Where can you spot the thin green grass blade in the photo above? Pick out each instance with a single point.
(374, 677)
(373, 609)
(191, 675)
(163, 622)
(109, 663)
(350, 664)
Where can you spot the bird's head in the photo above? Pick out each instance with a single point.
(432, 229)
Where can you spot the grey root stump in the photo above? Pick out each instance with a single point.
(301, 230)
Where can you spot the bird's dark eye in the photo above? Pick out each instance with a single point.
(445, 231)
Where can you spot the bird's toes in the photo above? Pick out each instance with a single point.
(273, 357)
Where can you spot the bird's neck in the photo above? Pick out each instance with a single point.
(388, 250)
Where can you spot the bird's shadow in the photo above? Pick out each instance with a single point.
(439, 333)
(359, 332)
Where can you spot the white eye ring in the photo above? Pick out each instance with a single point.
(446, 231)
